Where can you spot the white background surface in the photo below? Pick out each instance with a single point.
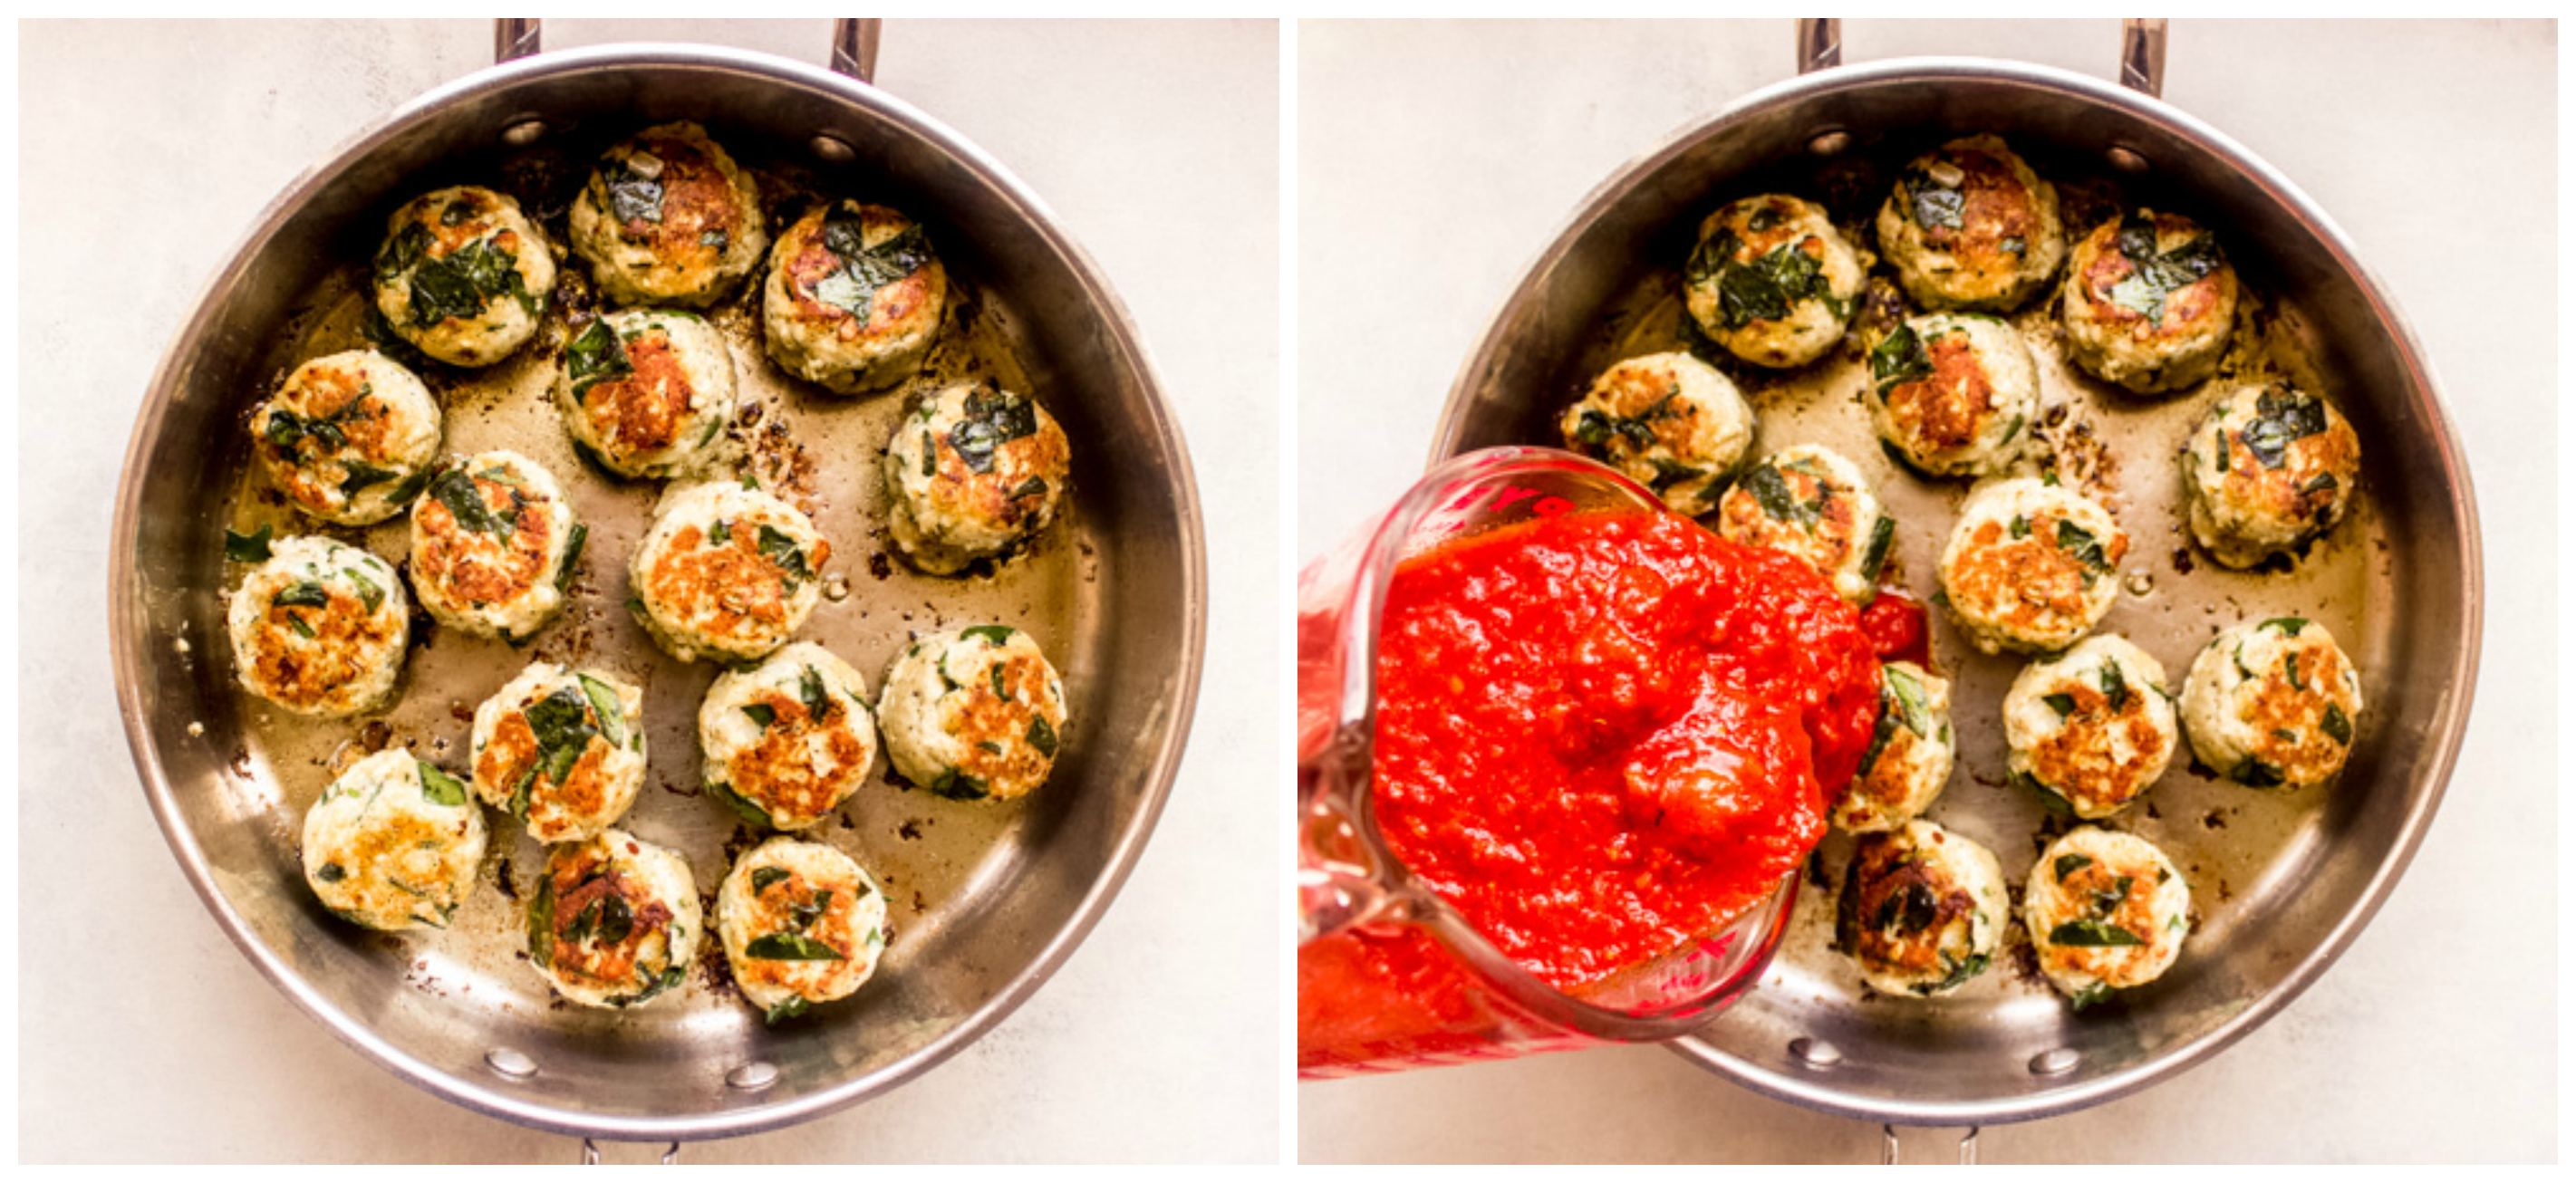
(1436, 161)
(146, 150)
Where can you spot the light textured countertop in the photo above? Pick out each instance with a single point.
(1437, 160)
(146, 150)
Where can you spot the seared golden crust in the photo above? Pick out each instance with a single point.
(803, 763)
(2031, 566)
(734, 592)
(1970, 226)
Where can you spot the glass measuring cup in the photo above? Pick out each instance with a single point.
(1388, 975)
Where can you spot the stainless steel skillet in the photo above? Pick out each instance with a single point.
(987, 902)
(2282, 884)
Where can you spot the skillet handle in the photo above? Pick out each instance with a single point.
(1887, 1156)
(2142, 50)
(590, 1154)
(854, 43)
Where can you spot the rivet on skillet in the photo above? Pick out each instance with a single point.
(524, 132)
(753, 1077)
(1829, 143)
(510, 1062)
(832, 149)
(2055, 1062)
(2125, 159)
(1814, 1052)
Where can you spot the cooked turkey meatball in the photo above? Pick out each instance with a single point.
(2031, 566)
(393, 843)
(2106, 911)
(1954, 395)
(1811, 503)
(667, 218)
(973, 713)
(614, 921)
(1772, 280)
(647, 392)
(2273, 704)
(320, 628)
(854, 298)
(561, 750)
(1922, 911)
(493, 546)
(788, 741)
(2268, 470)
(2150, 302)
(974, 472)
(1970, 226)
(2091, 729)
(463, 275)
(1909, 755)
(1668, 421)
(349, 438)
(802, 924)
(726, 572)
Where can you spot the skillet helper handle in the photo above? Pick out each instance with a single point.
(590, 1154)
(1887, 1156)
(2142, 50)
(854, 43)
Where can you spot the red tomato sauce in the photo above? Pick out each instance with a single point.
(1602, 736)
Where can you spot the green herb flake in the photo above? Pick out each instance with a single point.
(778, 547)
(1770, 288)
(788, 946)
(359, 475)
(865, 270)
(464, 500)
(2338, 724)
(1042, 736)
(594, 356)
(607, 706)
(761, 713)
(996, 635)
(2089, 933)
(1779, 503)
(2281, 416)
(2154, 276)
(2290, 669)
(809, 686)
(632, 196)
(2068, 864)
(307, 594)
(571, 568)
(1874, 559)
(1932, 204)
(331, 873)
(763, 877)
(1960, 972)
(2063, 704)
(742, 806)
(990, 419)
(958, 786)
(248, 548)
(2286, 625)
(786, 1010)
(2115, 686)
(2079, 542)
(1898, 360)
(2093, 995)
(562, 724)
(1036, 486)
(2256, 774)
(440, 787)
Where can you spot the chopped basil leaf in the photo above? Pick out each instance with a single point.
(809, 686)
(786, 1010)
(331, 873)
(562, 724)
(1874, 558)
(2020, 526)
(996, 635)
(541, 921)
(2049, 799)
(2290, 669)
(1898, 360)
(763, 877)
(464, 282)
(440, 787)
(957, 786)
(248, 548)
(781, 549)
(307, 594)
(1035, 486)
(464, 500)
(1001, 684)
(362, 474)
(742, 806)
(2257, 774)
(2068, 864)
(2153, 276)
(2338, 724)
(1042, 736)
(929, 455)
(991, 419)
(633, 197)
(788, 946)
(605, 704)
(594, 356)
(2079, 542)
(519, 794)
(402, 250)
(2093, 995)
(1907, 695)
(720, 534)
(1932, 204)
(616, 920)
(1960, 971)
(2281, 416)
(2089, 933)
(867, 269)
(2063, 704)
(572, 557)
(2288, 625)
(2323, 482)
(1771, 491)
(1769, 288)
(2115, 686)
